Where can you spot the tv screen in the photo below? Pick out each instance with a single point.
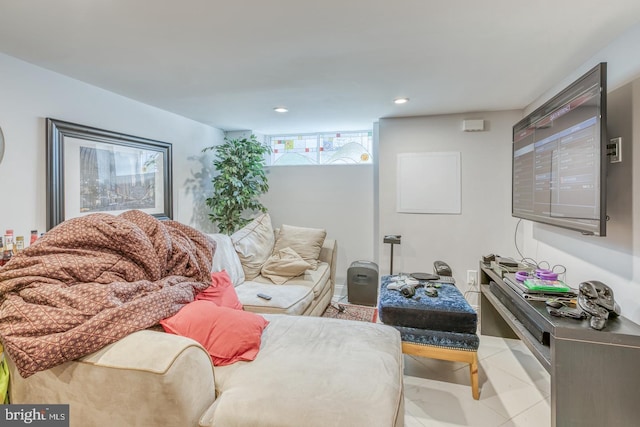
(559, 158)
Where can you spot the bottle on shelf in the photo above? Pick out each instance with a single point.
(19, 246)
(34, 237)
(8, 246)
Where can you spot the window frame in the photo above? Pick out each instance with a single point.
(319, 137)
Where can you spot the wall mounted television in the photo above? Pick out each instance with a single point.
(559, 158)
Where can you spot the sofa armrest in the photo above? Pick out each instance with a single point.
(206, 420)
(329, 254)
(146, 378)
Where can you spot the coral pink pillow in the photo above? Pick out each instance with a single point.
(228, 335)
(221, 291)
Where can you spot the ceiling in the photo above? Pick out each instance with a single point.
(335, 64)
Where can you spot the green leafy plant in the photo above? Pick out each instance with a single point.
(241, 179)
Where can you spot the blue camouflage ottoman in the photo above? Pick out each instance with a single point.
(441, 327)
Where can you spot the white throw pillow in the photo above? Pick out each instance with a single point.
(254, 244)
(226, 258)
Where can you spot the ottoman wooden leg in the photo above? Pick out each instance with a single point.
(473, 370)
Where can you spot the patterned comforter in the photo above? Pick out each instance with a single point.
(95, 279)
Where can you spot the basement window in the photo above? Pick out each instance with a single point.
(328, 148)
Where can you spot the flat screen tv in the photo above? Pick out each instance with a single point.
(559, 158)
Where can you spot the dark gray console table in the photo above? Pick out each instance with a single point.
(595, 375)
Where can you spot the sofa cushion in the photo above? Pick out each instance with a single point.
(317, 280)
(254, 244)
(322, 371)
(285, 299)
(284, 265)
(226, 258)
(221, 291)
(228, 335)
(307, 242)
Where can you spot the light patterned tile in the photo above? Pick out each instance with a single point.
(425, 367)
(491, 345)
(435, 403)
(411, 421)
(539, 415)
(441, 370)
(506, 394)
(519, 362)
(514, 389)
(513, 343)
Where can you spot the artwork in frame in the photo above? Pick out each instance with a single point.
(92, 170)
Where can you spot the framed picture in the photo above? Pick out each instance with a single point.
(92, 170)
(1, 145)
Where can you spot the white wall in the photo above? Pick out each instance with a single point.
(29, 94)
(485, 224)
(355, 204)
(614, 259)
(336, 198)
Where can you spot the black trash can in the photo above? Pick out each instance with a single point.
(362, 283)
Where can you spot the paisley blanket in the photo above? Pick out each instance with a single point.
(95, 279)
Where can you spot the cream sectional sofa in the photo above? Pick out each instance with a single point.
(310, 371)
(244, 253)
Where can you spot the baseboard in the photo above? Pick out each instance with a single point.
(339, 292)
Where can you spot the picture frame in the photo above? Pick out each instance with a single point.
(1, 145)
(93, 170)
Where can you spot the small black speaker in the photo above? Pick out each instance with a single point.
(362, 283)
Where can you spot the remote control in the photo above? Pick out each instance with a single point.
(445, 279)
(264, 296)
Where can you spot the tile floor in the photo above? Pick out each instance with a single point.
(514, 388)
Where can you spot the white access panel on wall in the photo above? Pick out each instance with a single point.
(429, 183)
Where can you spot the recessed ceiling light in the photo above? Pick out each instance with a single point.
(280, 110)
(401, 100)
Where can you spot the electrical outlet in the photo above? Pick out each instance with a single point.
(614, 150)
(472, 277)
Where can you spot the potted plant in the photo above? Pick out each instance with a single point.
(240, 180)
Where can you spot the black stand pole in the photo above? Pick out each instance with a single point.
(392, 239)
